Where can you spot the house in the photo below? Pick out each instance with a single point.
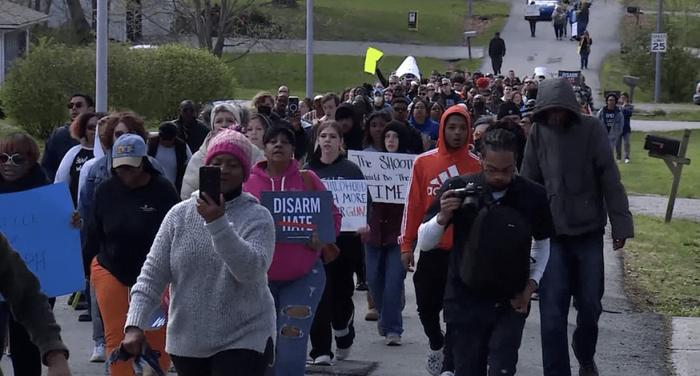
(129, 20)
(15, 21)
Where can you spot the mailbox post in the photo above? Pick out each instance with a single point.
(673, 154)
(468, 35)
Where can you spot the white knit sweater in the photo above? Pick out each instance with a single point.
(219, 298)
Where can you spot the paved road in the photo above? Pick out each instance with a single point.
(525, 53)
(631, 343)
(663, 126)
(353, 48)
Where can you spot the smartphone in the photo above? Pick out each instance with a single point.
(293, 105)
(210, 182)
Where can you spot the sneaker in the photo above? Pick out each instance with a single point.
(98, 354)
(447, 373)
(588, 369)
(627, 160)
(372, 315)
(393, 340)
(434, 363)
(323, 360)
(361, 286)
(342, 354)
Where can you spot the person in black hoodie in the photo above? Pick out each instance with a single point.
(570, 155)
(20, 171)
(171, 152)
(348, 120)
(128, 210)
(336, 309)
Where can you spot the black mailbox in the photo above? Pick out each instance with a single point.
(661, 145)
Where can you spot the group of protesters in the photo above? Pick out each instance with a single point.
(239, 302)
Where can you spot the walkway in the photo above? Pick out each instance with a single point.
(353, 48)
(655, 206)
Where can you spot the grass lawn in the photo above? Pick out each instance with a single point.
(439, 21)
(670, 116)
(661, 266)
(611, 79)
(669, 5)
(256, 72)
(647, 175)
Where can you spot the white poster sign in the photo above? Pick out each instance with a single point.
(409, 65)
(350, 196)
(532, 10)
(387, 174)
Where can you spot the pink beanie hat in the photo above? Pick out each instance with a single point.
(233, 143)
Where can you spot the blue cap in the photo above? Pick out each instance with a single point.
(128, 150)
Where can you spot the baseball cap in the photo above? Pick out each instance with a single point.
(128, 150)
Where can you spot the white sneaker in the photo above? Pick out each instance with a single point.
(342, 354)
(627, 160)
(447, 373)
(98, 354)
(323, 360)
(393, 340)
(434, 363)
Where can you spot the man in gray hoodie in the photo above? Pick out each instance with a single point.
(571, 156)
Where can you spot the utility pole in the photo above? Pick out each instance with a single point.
(470, 13)
(657, 76)
(309, 48)
(101, 57)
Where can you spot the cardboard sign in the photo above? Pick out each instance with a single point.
(574, 77)
(350, 196)
(298, 214)
(387, 174)
(532, 10)
(37, 225)
(409, 65)
(372, 56)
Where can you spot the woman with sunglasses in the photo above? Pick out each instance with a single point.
(20, 171)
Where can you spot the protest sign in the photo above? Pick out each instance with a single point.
(387, 174)
(532, 10)
(298, 214)
(409, 66)
(574, 77)
(37, 225)
(372, 56)
(350, 196)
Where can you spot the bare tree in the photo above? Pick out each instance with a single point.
(222, 23)
(78, 20)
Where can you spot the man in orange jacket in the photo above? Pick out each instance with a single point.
(452, 157)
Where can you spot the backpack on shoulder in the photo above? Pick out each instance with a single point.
(495, 260)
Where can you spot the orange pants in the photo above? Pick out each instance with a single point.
(113, 300)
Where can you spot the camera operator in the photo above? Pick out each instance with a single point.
(500, 250)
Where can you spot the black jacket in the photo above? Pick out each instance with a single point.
(180, 156)
(575, 164)
(497, 48)
(193, 135)
(56, 148)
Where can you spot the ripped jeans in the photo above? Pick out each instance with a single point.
(296, 302)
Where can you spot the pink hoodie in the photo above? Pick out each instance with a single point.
(290, 261)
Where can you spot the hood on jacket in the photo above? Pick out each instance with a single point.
(442, 145)
(555, 93)
(259, 171)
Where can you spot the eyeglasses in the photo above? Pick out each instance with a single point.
(14, 159)
(77, 105)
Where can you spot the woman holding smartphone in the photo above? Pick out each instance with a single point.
(214, 252)
(296, 276)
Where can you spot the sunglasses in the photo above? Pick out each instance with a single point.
(77, 105)
(14, 159)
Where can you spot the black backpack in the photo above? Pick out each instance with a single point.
(496, 258)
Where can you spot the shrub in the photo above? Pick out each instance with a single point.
(151, 82)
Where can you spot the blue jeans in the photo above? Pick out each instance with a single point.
(385, 276)
(575, 269)
(296, 302)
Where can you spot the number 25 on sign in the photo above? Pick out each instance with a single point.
(658, 42)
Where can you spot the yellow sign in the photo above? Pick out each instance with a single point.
(371, 58)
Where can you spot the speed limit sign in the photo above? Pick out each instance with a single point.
(658, 42)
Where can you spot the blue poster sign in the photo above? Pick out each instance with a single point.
(37, 225)
(298, 214)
